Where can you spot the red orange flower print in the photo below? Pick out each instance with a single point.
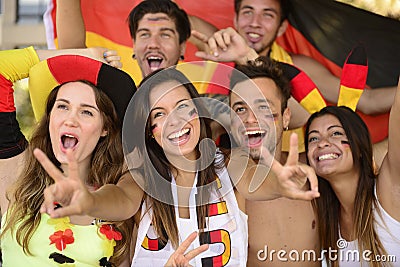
(62, 238)
(109, 231)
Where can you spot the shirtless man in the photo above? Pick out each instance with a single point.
(281, 224)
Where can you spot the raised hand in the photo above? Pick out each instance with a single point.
(224, 46)
(179, 258)
(293, 176)
(112, 58)
(69, 191)
(105, 55)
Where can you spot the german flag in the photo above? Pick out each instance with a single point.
(353, 79)
(152, 244)
(303, 88)
(329, 30)
(218, 208)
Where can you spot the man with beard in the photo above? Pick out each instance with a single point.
(159, 30)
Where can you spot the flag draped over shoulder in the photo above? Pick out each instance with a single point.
(323, 30)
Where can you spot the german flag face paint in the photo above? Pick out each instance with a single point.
(154, 128)
(157, 43)
(174, 119)
(193, 113)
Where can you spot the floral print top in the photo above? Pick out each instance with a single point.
(57, 242)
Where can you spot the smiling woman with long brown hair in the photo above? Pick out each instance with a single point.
(80, 132)
(359, 210)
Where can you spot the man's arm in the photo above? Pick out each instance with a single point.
(71, 32)
(378, 100)
(202, 26)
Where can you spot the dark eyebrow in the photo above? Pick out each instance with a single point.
(247, 7)
(161, 29)
(335, 126)
(257, 101)
(329, 128)
(182, 100)
(168, 29)
(179, 101)
(237, 103)
(265, 9)
(82, 105)
(264, 100)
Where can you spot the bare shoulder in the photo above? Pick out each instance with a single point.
(10, 169)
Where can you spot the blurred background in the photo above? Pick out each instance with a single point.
(21, 25)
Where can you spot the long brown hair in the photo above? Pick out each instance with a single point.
(106, 167)
(157, 169)
(328, 206)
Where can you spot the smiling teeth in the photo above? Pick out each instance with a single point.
(254, 132)
(254, 35)
(154, 58)
(328, 156)
(178, 134)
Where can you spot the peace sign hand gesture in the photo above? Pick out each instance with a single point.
(179, 258)
(293, 176)
(69, 191)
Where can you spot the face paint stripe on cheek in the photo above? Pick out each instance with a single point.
(192, 113)
(345, 143)
(154, 128)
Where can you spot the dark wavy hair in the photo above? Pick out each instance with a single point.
(167, 7)
(263, 67)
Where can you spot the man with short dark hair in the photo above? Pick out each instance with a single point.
(159, 29)
(282, 225)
